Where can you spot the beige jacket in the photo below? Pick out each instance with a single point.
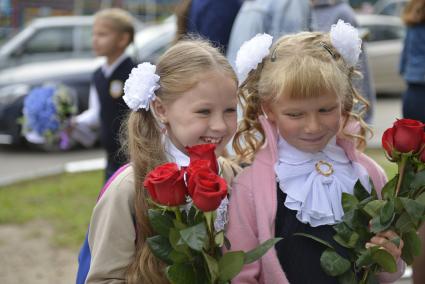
(112, 233)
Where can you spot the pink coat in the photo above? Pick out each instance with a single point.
(253, 206)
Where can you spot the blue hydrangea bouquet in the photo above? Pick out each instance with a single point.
(46, 114)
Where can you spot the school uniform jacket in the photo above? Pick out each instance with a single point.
(253, 205)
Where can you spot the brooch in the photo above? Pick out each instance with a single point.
(324, 168)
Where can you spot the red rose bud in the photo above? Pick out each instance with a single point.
(204, 152)
(166, 185)
(207, 189)
(405, 136)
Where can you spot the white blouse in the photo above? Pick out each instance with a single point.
(314, 183)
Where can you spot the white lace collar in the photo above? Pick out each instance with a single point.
(315, 182)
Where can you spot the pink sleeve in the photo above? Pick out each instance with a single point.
(242, 230)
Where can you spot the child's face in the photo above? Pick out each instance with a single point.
(106, 40)
(307, 124)
(204, 114)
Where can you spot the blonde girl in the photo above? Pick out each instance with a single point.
(301, 137)
(189, 98)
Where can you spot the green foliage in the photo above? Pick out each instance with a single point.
(190, 247)
(401, 209)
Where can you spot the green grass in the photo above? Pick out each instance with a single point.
(378, 155)
(65, 201)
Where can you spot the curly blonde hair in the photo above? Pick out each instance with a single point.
(302, 65)
(180, 68)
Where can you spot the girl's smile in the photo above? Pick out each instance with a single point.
(204, 114)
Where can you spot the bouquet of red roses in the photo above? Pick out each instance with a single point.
(188, 225)
(400, 208)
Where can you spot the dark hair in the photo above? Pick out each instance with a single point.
(414, 13)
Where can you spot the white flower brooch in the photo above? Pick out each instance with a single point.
(140, 87)
(345, 38)
(251, 53)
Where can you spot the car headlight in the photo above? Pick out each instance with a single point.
(10, 93)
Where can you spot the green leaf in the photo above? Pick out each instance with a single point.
(213, 267)
(418, 181)
(373, 208)
(325, 243)
(230, 264)
(414, 208)
(349, 201)
(177, 242)
(365, 258)
(160, 222)
(181, 273)
(346, 234)
(421, 198)
(259, 251)
(408, 178)
(160, 247)
(389, 188)
(355, 219)
(376, 226)
(348, 277)
(360, 192)
(405, 223)
(194, 236)
(177, 257)
(385, 260)
(412, 246)
(219, 239)
(333, 264)
(387, 211)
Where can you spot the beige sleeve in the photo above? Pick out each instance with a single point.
(229, 170)
(112, 231)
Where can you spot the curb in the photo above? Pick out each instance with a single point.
(70, 167)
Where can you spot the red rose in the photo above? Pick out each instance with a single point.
(195, 166)
(207, 189)
(204, 152)
(388, 141)
(405, 136)
(166, 185)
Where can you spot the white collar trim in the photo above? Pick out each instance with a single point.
(315, 195)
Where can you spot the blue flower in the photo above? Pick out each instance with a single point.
(40, 110)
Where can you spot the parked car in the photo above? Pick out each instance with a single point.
(51, 38)
(389, 7)
(15, 82)
(384, 41)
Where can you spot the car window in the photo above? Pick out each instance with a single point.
(381, 33)
(50, 40)
(85, 38)
(390, 9)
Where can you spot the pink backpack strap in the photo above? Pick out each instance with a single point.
(111, 179)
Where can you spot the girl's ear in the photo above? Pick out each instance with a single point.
(160, 110)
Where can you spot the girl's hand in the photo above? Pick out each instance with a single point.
(383, 239)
